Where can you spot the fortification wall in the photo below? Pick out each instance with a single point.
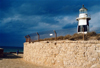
(64, 54)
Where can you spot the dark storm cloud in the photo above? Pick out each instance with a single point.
(70, 26)
(52, 8)
(5, 4)
(21, 17)
(45, 7)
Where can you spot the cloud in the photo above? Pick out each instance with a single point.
(22, 17)
(70, 26)
(95, 21)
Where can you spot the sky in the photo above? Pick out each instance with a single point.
(19, 18)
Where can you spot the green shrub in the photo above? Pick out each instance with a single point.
(75, 37)
(52, 38)
(98, 34)
(78, 36)
(41, 39)
(46, 39)
(60, 38)
(98, 38)
(91, 33)
(72, 38)
(67, 37)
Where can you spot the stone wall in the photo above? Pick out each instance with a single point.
(64, 54)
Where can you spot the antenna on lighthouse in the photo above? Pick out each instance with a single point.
(83, 5)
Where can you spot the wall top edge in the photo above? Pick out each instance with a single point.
(67, 41)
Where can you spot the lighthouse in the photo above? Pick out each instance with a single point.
(83, 21)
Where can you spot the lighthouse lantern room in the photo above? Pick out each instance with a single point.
(83, 21)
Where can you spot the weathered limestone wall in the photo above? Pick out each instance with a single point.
(64, 54)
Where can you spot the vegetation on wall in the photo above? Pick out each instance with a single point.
(89, 36)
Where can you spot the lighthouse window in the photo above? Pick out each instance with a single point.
(83, 11)
(80, 28)
(85, 27)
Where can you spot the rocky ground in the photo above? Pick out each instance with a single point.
(11, 60)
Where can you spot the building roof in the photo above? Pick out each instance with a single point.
(83, 8)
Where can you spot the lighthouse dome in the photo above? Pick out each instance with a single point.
(83, 9)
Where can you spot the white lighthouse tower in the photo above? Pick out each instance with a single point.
(83, 21)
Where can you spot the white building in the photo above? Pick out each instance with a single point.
(83, 21)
